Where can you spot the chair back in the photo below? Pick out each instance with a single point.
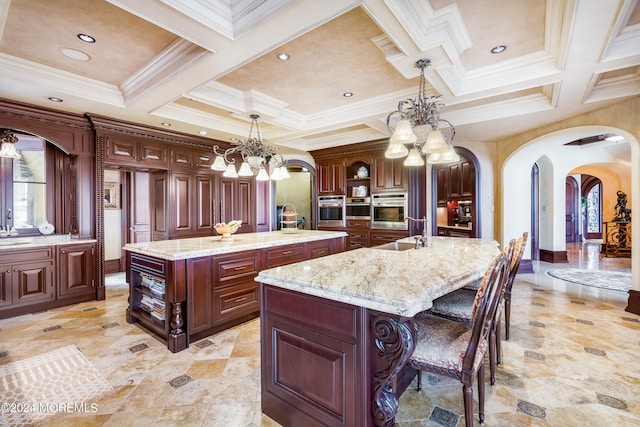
(518, 251)
(496, 279)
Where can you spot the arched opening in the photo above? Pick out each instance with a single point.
(299, 191)
(591, 206)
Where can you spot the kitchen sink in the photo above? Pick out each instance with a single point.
(396, 246)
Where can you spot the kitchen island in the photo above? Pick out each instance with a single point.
(336, 332)
(186, 289)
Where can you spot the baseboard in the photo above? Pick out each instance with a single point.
(526, 266)
(633, 303)
(112, 266)
(553, 256)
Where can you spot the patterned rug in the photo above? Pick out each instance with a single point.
(53, 383)
(613, 280)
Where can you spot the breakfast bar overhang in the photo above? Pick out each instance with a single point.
(336, 331)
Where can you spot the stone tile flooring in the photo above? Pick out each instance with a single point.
(572, 360)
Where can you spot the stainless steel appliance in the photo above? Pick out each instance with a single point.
(358, 208)
(331, 211)
(389, 211)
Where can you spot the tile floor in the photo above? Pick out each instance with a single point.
(572, 360)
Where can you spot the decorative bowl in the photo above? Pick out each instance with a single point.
(227, 229)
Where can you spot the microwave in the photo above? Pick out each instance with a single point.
(331, 211)
(388, 211)
(358, 208)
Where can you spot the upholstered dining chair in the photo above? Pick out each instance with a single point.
(458, 306)
(449, 348)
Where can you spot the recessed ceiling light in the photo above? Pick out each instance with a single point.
(282, 56)
(614, 138)
(233, 139)
(166, 124)
(203, 132)
(54, 99)
(499, 49)
(74, 54)
(347, 94)
(86, 38)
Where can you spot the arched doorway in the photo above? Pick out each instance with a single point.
(591, 206)
(299, 190)
(571, 209)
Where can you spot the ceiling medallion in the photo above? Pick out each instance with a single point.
(419, 125)
(255, 156)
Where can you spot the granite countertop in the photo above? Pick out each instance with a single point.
(214, 245)
(11, 243)
(396, 282)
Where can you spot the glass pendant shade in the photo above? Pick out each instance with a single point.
(435, 143)
(262, 175)
(284, 172)
(447, 156)
(414, 158)
(219, 164)
(396, 151)
(403, 133)
(255, 161)
(9, 151)
(245, 170)
(230, 171)
(276, 175)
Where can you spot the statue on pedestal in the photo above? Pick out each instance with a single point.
(623, 214)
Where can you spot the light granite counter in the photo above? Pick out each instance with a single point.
(204, 246)
(11, 243)
(401, 283)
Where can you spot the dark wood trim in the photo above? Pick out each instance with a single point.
(633, 303)
(112, 266)
(553, 256)
(526, 266)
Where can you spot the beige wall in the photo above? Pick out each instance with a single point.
(112, 223)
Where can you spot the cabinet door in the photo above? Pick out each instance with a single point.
(442, 177)
(200, 289)
(204, 199)
(227, 199)
(6, 288)
(152, 154)
(467, 179)
(181, 203)
(331, 177)
(180, 158)
(76, 267)
(120, 151)
(203, 160)
(454, 180)
(389, 174)
(33, 282)
(245, 205)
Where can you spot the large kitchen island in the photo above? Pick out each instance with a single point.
(186, 289)
(336, 331)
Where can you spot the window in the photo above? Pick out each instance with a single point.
(24, 186)
(593, 210)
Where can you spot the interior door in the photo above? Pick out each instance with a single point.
(571, 209)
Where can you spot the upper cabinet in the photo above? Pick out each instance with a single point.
(331, 176)
(122, 151)
(189, 158)
(455, 181)
(389, 174)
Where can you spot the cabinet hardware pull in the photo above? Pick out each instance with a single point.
(286, 253)
(240, 268)
(322, 252)
(241, 299)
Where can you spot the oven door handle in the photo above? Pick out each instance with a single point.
(387, 205)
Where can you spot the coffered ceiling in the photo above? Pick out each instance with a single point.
(207, 65)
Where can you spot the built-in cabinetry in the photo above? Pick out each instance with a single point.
(125, 151)
(341, 172)
(36, 278)
(202, 295)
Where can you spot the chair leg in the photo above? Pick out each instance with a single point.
(498, 344)
(419, 380)
(467, 395)
(492, 354)
(481, 392)
(507, 314)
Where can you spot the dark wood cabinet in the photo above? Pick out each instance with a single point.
(442, 192)
(237, 202)
(192, 205)
(358, 231)
(389, 174)
(380, 237)
(200, 314)
(76, 265)
(121, 151)
(189, 158)
(26, 278)
(282, 255)
(331, 176)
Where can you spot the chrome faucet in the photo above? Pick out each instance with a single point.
(420, 239)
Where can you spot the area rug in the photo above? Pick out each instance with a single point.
(50, 384)
(605, 279)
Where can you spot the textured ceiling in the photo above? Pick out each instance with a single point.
(206, 66)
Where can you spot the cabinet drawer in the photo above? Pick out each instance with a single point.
(281, 255)
(234, 301)
(26, 255)
(318, 249)
(358, 224)
(235, 267)
(148, 264)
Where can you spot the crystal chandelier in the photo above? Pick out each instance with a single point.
(8, 148)
(419, 125)
(255, 156)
